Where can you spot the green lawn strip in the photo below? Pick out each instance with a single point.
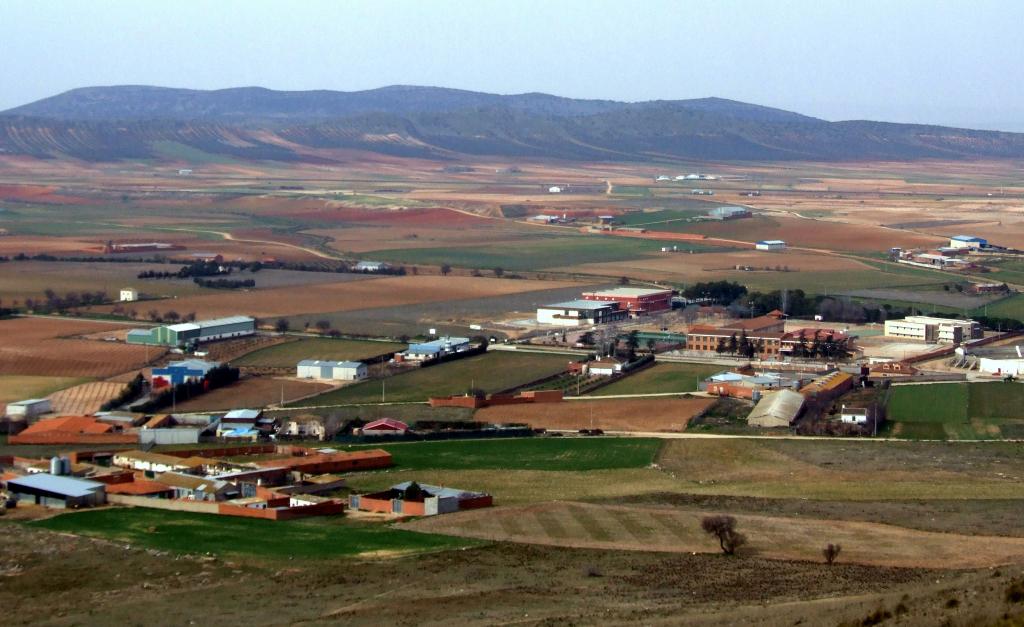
(185, 532)
(663, 377)
(490, 372)
(287, 355)
(549, 454)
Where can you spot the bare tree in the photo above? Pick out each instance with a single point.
(724, 528)
(282, 326)
(831, 552)
(445, 269)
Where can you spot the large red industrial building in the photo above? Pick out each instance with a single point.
(636, 300)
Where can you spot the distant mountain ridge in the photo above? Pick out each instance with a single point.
(135, 121)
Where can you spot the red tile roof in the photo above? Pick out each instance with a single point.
(137, 487)
(73, 424)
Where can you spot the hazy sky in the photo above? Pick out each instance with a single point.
(958, 63)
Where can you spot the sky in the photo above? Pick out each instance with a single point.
(952, 63)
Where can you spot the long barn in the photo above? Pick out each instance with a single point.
(194, 332)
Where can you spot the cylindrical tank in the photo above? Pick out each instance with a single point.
(65, 465)
(56, 466)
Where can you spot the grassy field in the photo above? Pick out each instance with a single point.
(1012, 307)
(663, 377)
(547, 454)
(667, 220)
(288, 354)
(491, 372)
(974, 411)
(542, 252)
(184, 532)
(15, 387)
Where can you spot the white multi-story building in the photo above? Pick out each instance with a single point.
(927, 329)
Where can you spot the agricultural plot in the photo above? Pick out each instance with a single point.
(84, 399)
(42, 346)
(30, 279)
(348, 296)
(660, 379)
(23, 387)
(538, 254)
(451, 317)
(538, 454)
(633, 528)
(254, 392)
(491, 372)
(287, 355)
(973, 411)
(636, 415)
(183, 532)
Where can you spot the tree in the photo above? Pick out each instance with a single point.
(445, 269)
(831, 552)
(632, 342)
(724, 528)
(172, 315)
(721, 348)
(499, 272)
(623, 280)
(732, 344)
(651, 343)
(281, 326)
(154, 315)
(323, 325)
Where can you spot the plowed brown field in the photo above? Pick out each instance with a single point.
(660, 414)
(47, 346)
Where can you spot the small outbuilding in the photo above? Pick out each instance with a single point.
(776, 409)
(414, 499)
(770, 244)
(385, 426)
(30, 408)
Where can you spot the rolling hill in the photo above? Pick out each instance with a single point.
(142, 122)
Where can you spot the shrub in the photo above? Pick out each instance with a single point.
(724, 528)
(831, 552)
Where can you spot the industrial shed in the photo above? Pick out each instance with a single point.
(576, 313)
(776, 409)
(57, 491)
(331, 370)
(412, 499)
(194, 332)
(29, 408)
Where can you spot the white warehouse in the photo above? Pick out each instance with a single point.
(331, 370)
(770, 244)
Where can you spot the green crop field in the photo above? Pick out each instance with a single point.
(491, 372)
(546, 454)
(957, 411)
(184, 532)
(537, 254)
(666, 220)
(996, 400)
(1012, 307)
(939, 402)
(289, 354)
(660, 378)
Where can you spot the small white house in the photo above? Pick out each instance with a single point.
(313, 429)
(554, 189)
(770, 244)
(331, 370)
(185, 172)
(604, 367)
(129, 294)
(30, 408)
(853, 415)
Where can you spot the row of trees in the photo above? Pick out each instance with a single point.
(225, 284)
(216, 378)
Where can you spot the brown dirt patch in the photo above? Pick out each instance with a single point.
(643, 415)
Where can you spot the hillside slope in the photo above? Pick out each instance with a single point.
(134, 122)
